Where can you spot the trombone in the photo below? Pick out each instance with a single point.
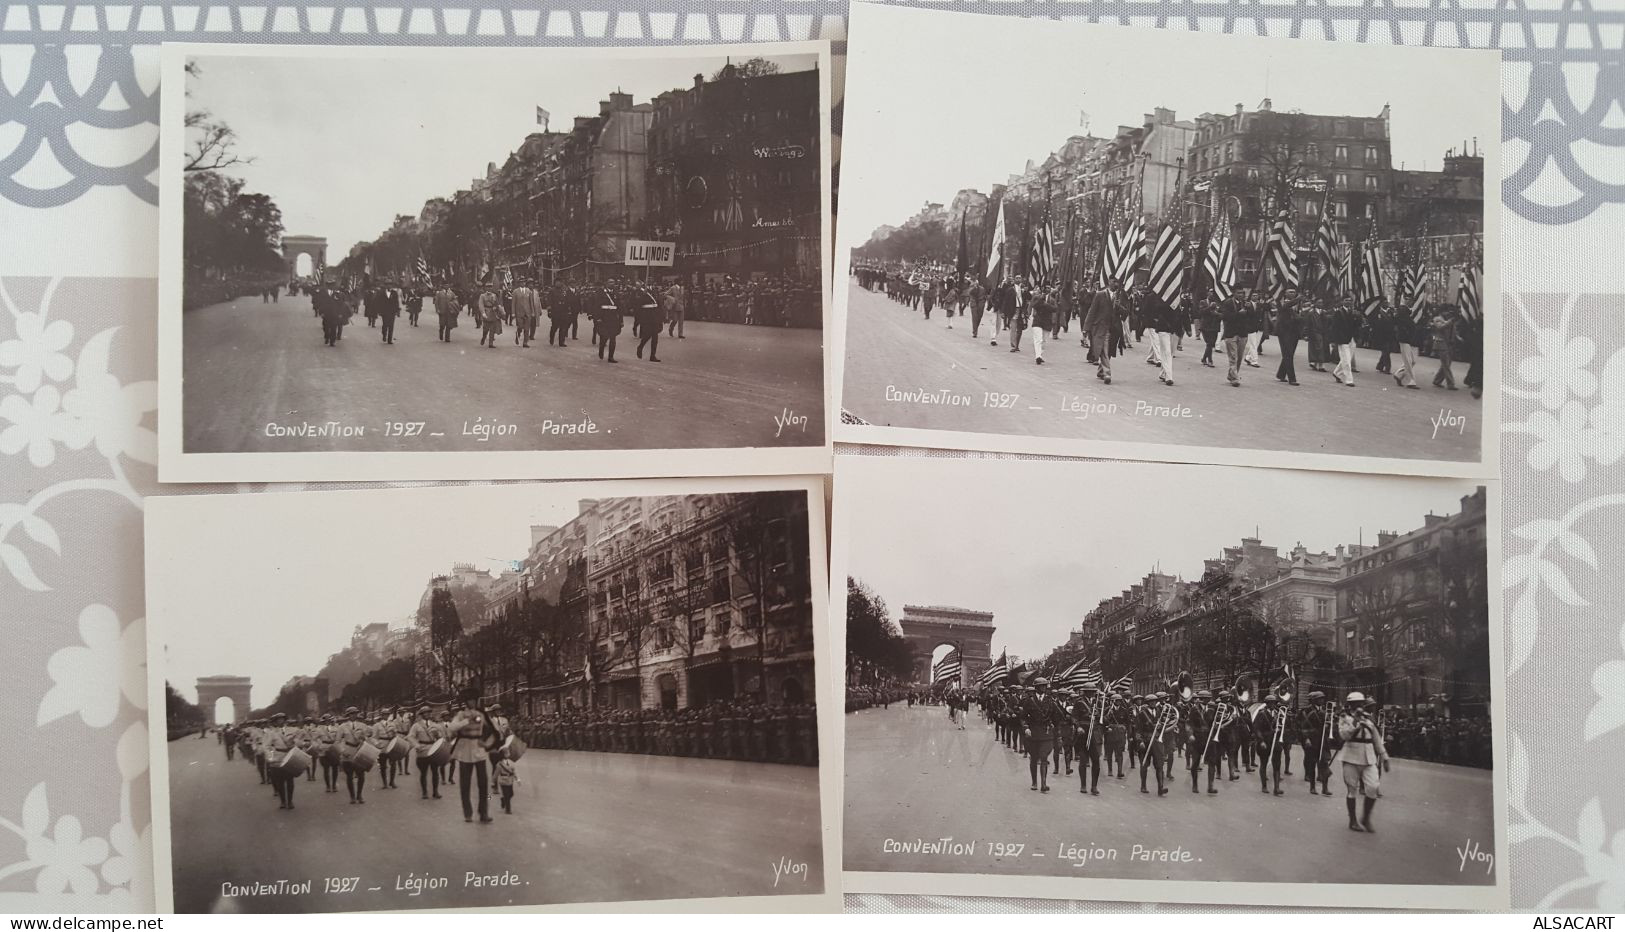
(1166, 719)
(1332, 712)
(1222, 717)
(1278, 733)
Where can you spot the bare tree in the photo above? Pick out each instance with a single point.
(1279, 143)
(213, 141)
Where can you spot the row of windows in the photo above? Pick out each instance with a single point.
(1312, 125)
(1207, 158)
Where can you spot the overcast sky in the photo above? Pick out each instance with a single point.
(303, 569)
(343, 145)
(972, 97)
(1040, 544)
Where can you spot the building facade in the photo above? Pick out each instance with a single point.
(1413, 611)
(734, 174)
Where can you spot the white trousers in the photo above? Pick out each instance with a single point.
(1252, 347)
(1164, 343)
(1345, 362)
(1037, 336)
(1404, 364)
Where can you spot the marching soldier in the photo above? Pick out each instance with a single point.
(1090, 728)
(384, 732)
(1238, 734)
(1150, 723)
(1064, 734)
(1136, 740)
(1116, 735)
(1038, 717)
(1268, 728)
(1318, 744)
(423, 735)
(326, 751)
(352, 734)
(1362, 755)
(607, 322)
(279, 740)
(1198, 727)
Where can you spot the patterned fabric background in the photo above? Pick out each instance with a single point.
(78, 152)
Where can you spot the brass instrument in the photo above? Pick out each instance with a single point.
(1097, 715)
(1223, 715)
(1278, 733)
(1167, 718)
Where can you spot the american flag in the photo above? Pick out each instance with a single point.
(1326, 252)
(1370, 294)
(997, 672)
(1220, 262)
(1130, 251)
(1077, 676)
(947, 669)
(1109, 249)
(1167, 279)
(1041, 260)
(423, 268)
(1283, 254)
(1126, 681)
(1467, 296)
(1413, 282)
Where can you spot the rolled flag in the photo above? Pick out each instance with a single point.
(996, 256)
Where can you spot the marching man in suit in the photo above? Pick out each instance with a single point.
(1363, 755)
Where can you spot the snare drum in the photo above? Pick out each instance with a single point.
(396, 749)
(365, 756)
(513, 748)
(294, 763)
(436, 755)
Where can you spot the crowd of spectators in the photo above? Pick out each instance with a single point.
(1464, 740)
(740, 730)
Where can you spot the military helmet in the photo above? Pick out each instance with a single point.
(1204, 694)
(1356, 696)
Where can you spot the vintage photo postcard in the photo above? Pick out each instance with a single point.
(398, 263)
(519, 696)
(1167, 682)
(1168, 245)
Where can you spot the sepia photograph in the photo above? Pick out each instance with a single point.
(574, 263)
(1167, 682)
(1159, 244)
(567, 694)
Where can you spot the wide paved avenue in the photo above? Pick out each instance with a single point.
(889, 346)
(249, 364)
(911, 775)
(587, 827)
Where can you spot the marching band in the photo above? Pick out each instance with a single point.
(1211, 731)
(466, 743)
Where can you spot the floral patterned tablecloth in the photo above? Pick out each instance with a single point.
(78, 153)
